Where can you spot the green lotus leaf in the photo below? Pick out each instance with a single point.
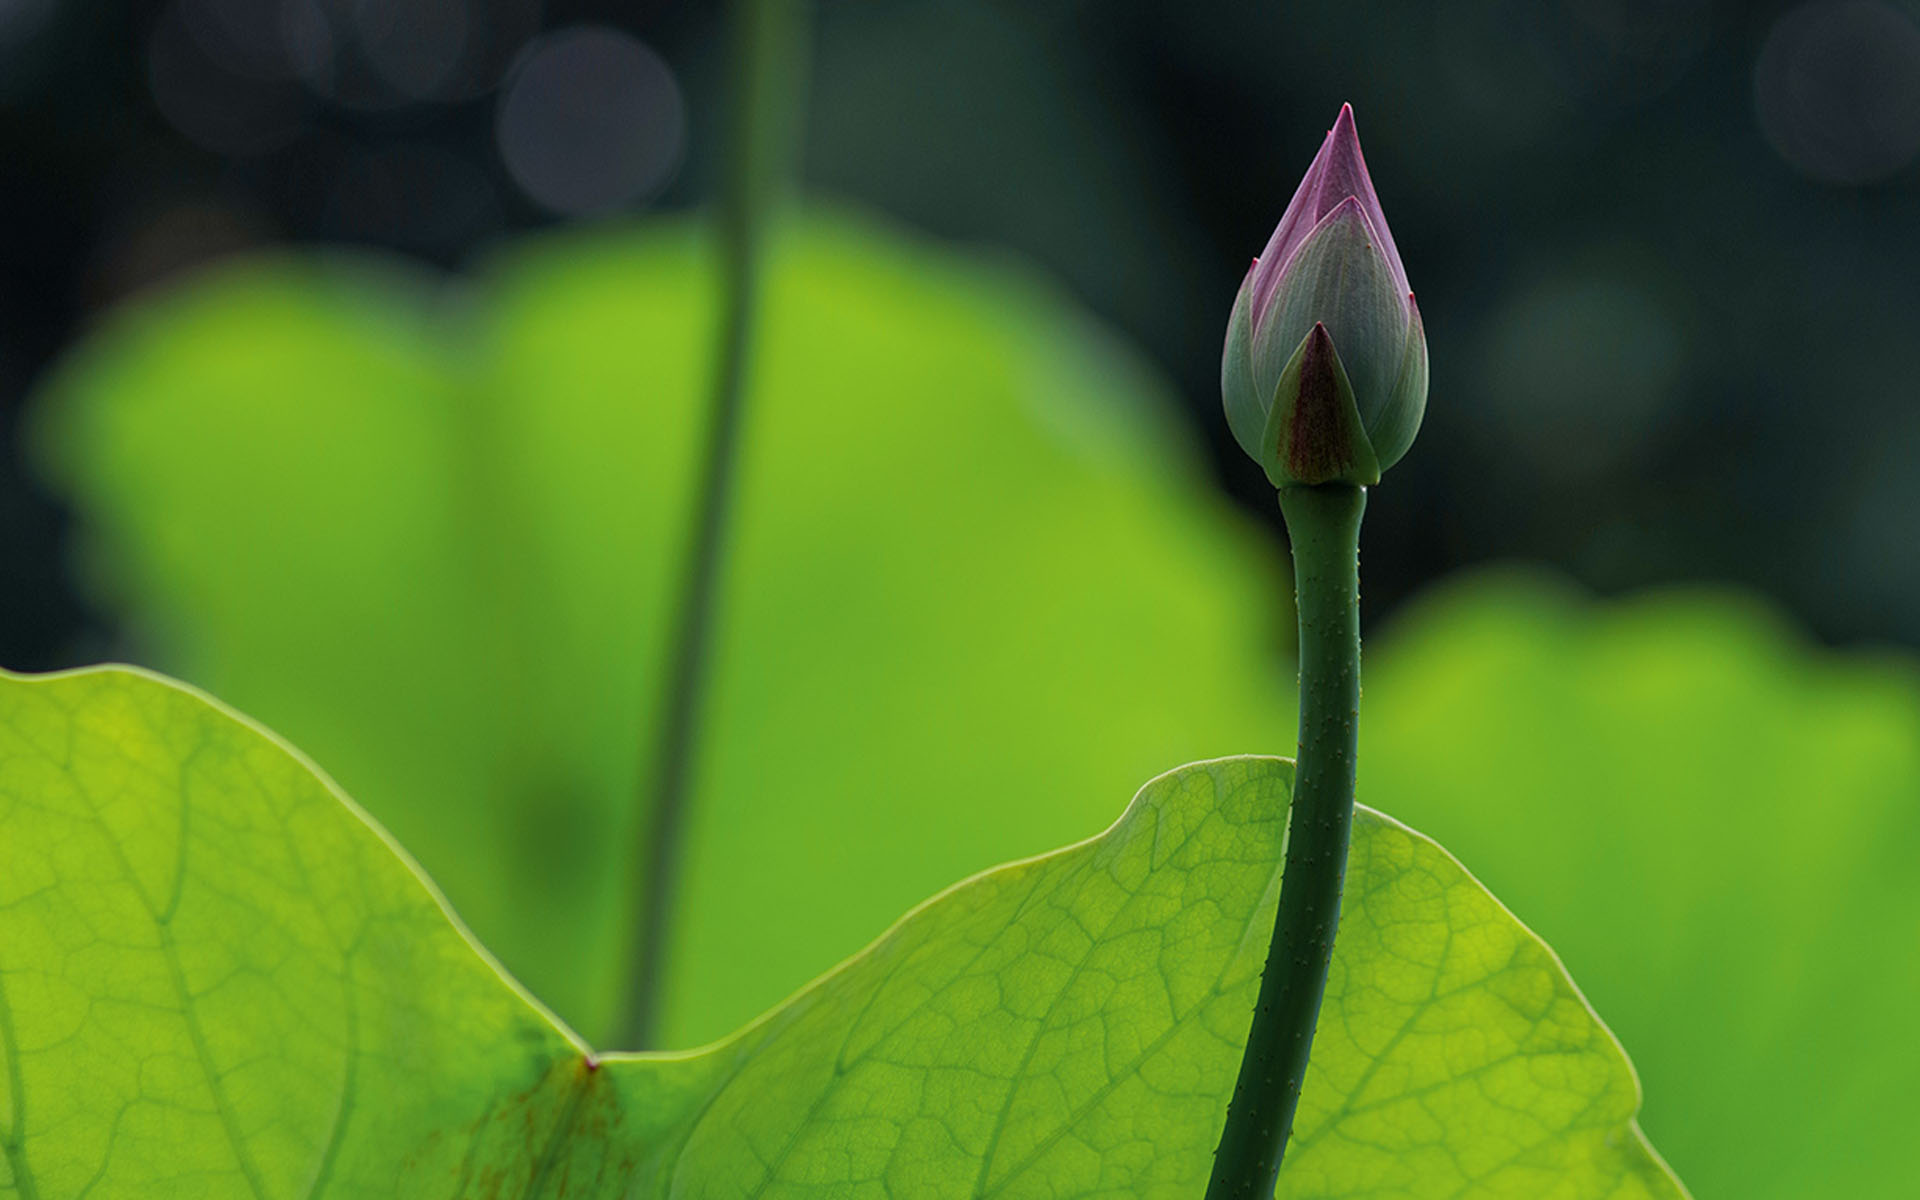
(218, 979)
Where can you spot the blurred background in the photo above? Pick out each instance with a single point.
(353, 356)
(1668, 248)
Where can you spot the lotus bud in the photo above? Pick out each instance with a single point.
(1325, 370)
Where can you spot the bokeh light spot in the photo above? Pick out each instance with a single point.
(375, 55)
(241, 36)
(414, 48)
(1837, 90)
(204, 84)
(591, 120)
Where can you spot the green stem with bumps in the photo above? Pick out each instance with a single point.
(1324, 525)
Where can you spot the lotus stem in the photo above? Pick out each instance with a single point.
(767, 65)
(1324, 525)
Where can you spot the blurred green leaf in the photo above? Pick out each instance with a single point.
(1716, 825)
(194, 919)
(978, 587)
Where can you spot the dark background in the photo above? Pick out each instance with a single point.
(1667, 250)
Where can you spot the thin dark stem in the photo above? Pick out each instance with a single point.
(767, 38)
(1324, 525)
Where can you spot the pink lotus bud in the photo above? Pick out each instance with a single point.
(1325, 369)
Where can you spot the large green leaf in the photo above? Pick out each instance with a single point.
(216, 980)
(432, 534)
(1716, 824)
